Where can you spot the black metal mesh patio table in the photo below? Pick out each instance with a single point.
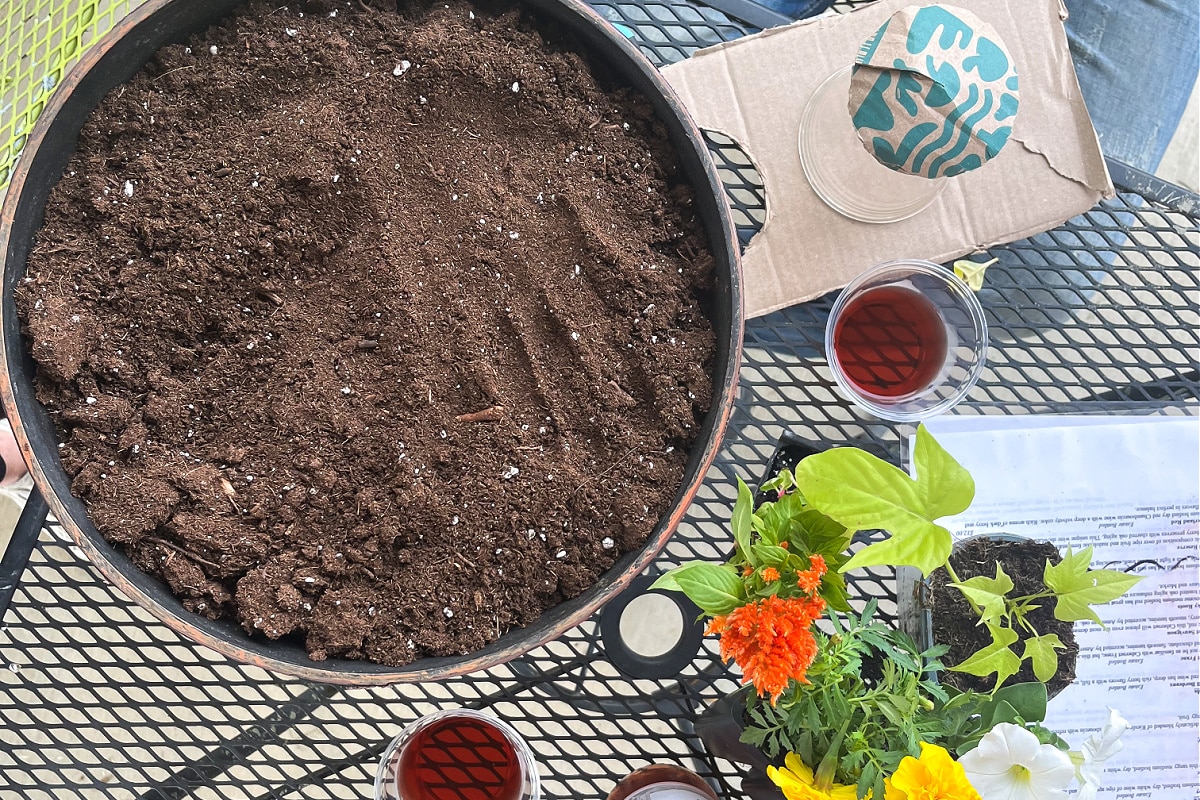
(98, 700)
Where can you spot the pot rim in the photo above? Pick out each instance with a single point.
(632, 65)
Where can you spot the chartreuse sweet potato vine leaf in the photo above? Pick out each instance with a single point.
(1040, 649)
(716, 589)
(1078, 588)
(945, 486)
(863, 492)
(988, 593)
(997, 657)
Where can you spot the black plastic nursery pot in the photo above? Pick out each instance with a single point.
(720, 729)
(112, 61)
(914, 601)
(917, 605)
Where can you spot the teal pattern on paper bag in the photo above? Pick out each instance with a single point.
(934, 92)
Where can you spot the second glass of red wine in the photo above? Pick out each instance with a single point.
(458, 754)
(906, 340)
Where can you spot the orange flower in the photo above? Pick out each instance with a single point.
(810, 579)
(770, 640)
(784, 545)
(770, 574)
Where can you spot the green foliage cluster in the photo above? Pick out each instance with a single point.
(855, 490)
(1073, 586)
(853, 723)
(784, 534)
(872, 698)
(864, 709)
(820, 505)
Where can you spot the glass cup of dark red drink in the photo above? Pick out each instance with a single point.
(457, 755)
(906, 340)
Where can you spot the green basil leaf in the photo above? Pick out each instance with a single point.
(833, 590)
(667, 582)
(769, 555)
(743, 509)
(715, 589)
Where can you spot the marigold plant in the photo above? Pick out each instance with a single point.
(933, 776)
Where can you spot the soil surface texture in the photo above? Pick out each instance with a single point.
(956, 624)
(386, 330)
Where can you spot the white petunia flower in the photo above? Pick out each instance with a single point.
(1096, 750)
(1009, 763)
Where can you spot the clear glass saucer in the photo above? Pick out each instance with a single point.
(843, 173)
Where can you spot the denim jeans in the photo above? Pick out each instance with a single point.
(1136, 61)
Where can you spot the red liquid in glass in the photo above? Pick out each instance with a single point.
(890, 342)
(459, 758)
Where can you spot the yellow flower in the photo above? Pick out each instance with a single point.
(796, 780)
(935, 776)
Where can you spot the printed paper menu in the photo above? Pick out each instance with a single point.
(1129, 487)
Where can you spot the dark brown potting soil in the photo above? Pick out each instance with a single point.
(956, 624)
(384, 330)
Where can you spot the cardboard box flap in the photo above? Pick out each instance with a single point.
(755, 89)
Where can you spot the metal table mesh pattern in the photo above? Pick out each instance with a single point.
(39, 40)
(100, 701)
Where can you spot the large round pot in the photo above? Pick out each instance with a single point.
(113, 60)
